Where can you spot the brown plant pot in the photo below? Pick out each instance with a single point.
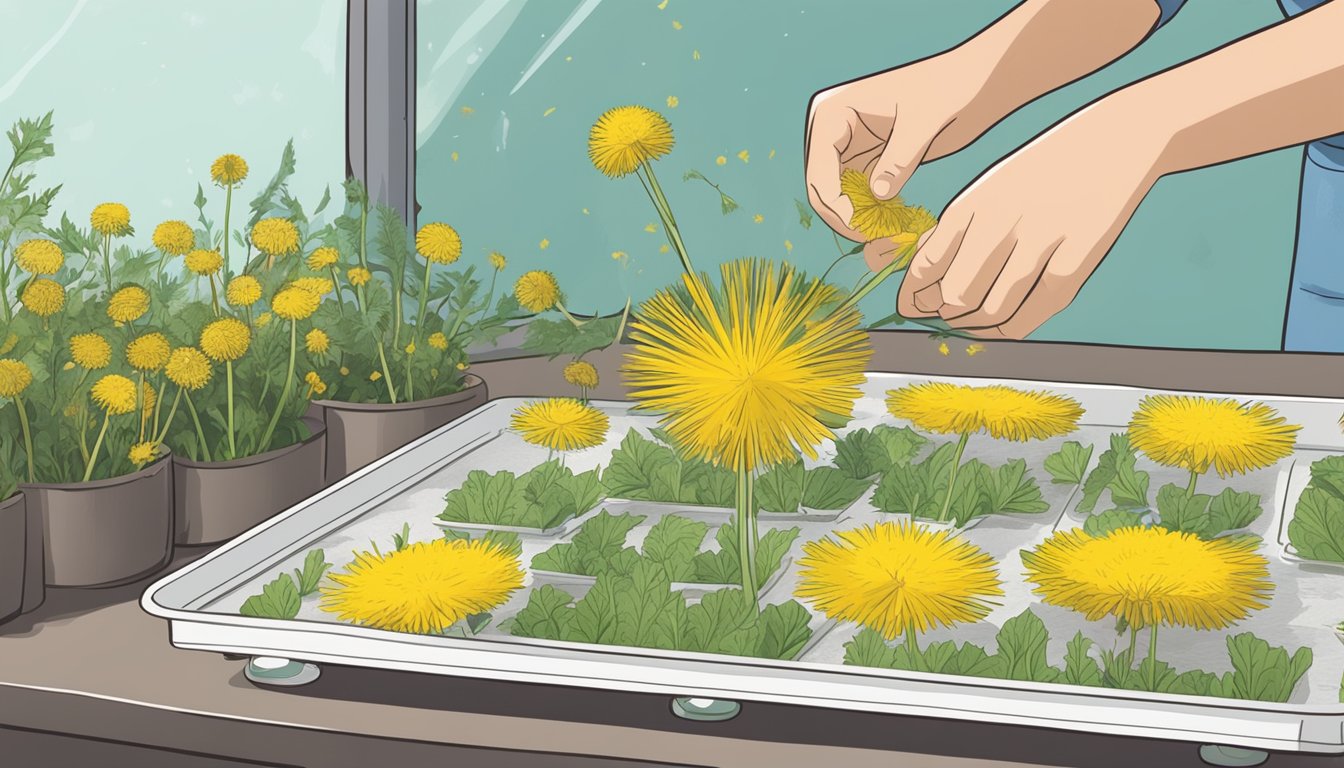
(105, 532)
(215, 501)
(14, 556)
(360, 433)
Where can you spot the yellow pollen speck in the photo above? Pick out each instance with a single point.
(662, 6)
(467, 110)
(758, 218)
(695, 55)
(548, 112)
(664, 249)
(585, 211)
(544, 244)
(454, 157)
(569, 58)
(651, 228)
(676, 25)
(974, 350)
(744, 156)
(618, 255)
(720, 160)
(772, 155)
(673, 101)
(788, 246)
(943, 350)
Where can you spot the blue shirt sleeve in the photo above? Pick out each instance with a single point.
(1169, 9)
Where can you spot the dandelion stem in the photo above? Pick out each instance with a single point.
(489, 297)
(745, 524)
(1152, 657)
(1133, 645)
(284, 388)
(83, 433)
(214, 294)
(140, 403)
(669, 221)
(200, 433)
(107, 261)
(952, 476)
(577, 323)
(172, 412)
(912, 647)
(897, 263)
(4, 286)
(424, 301)
(97, 446)
(387, 374)
(228, 376)
(336, 281)
(228, 208)
(1190, 489)
(27, 436)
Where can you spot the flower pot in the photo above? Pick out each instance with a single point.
(215, 501)
(361, 433)
(14, 560)
(105, 532)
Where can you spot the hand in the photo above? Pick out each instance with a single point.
(1016, 246)
(885, 125)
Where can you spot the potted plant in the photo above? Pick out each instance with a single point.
(13, 511)
(242, 370)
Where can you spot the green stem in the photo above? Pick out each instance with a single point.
(387, 374)
(97, 446)
(284, 388)
(172, 413)
(228, 375)
(336, 281)
(214, 294)
(876, 280)
(4, 287)
(1133, 645)
(952, 476)
(83, 433)
(410, 382)
(669, 221)
(228, 209)
(140, 406)
(1152, 658)
(489, 297)
(200, 433)
(107, 261)
(912, 647)
(745, 525)
(576, 322)
(27, 437)
(1190, 489)
(424, 301)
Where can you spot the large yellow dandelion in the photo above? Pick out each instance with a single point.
(1196, 433)
(276, 237)
(898, 578)
(424, 588)
(115, 394)
(438, 243)
(39, 257)
(295, 303)
(625, 138)
(243, 291)
(148, 352)
(174, 238)
(225, 339)
(317, 342)
(582, 374)
(15, 376)
(320, 286)
(128, 304)
(537, 291)
(90, 351)
(323, 258)
(228, 169)
(43, 297)
(560, 424)
(111, 219)
(188, 368)
(204, 262)
(1003, 412)
(744, 377)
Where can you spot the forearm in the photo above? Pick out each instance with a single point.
(1274, 89)
(1042, 45)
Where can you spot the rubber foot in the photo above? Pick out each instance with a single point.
(705, 710)
(271, 670)
(1233, 757)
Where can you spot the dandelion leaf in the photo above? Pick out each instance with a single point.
(1068, 465)
(782, 630)
(1079, 667)
(1232, 510)
(1022, 645)
(869, 649)
(672, 544)
(1181, 512)
(830, 488)
(1317, 527)
(548, 615)
(1011, 489)
(1111, 520)
(1328, 475)
(780, 489)
(1261, 672)
(279, 599)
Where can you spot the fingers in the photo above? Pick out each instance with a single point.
(920, 295)
(1056, 285)
(826, 139)
(1010, 287)
(974, 270)
(899, 159)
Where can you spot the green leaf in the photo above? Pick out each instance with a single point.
(264, 202)
(722, 622)
(1264, 673)
(672, 543)
(1232, 510)
(915, 489)
(1022, 645)
(780, 488)
(278, 600)
(1011, 490)
(899, 444)
(864, 453)
(548, 615)
(554, 338)
(1067, 465)
(595, 615)
(771, 549)
(1130, 486)
(869, 649)
(804, 213)
(315, 566)
(646, 611)
(724, 567)
(1328, 475)
(31, 140)
(634, 465)
(1101, 476)
(1079, 667)
(1183, 513)
(1317, 527)
(829, 488)
(1111, 520)
(601, 540)
(782, 630)
(496, 499)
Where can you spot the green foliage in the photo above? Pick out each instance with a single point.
(645, 470)
(1262, 672)
(542, 497)
(315, 566)
(562, 337)
(724, 566)
(864, 453)
(640, 609)
(1021, 654)
(1110, 520)
(920, 489)
(726, 203)
(804, 213)
(1317, 528)
(597, 547)
(1068, 465)
(278, 599)
(785, 488)
(1116, 470)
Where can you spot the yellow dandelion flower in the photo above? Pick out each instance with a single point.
(128, 304)
(560, 424)
(276, 237)
(148, 352)
(410, 348)
(625, 138)
(358, 276)
(872, 217)
(376, 375)
(1150, 575)
(312, 378)
(651, 228)
(581, 373)
(39, 257)
(9, 344)
(1003, 412)
(295, 303)
(498, 261)
(744, 156)
(1196, 433)
(921, 220)
(188, 368)
(115, 394)
(174, 238)
(111, 219)
(203, 262)
(439, 243)
(317, 342)
(243, 291)
(544, 244)
(319, 286)
(43, 297)
(758, 218)
(424, 588)
(897, 578)
(788, 246)
(323, 258)
(462, 366)
(720, 160)
(345, 371)
(740, 375)
(944, 350)
(438, 341)
(225, 339)
(673, 102)
(263, 320)
(228, 169)
(676, 25)
(15, 376)
(143, 453)
(536, 291)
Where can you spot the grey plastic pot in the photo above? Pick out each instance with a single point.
(105, 532)
(215, 501)
(360, 433)
(15, 553)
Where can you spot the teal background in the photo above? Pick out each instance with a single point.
(1204, 263)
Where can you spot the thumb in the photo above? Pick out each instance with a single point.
(894, 167)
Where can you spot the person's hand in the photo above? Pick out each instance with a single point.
(1016, 246)
(884, 126)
